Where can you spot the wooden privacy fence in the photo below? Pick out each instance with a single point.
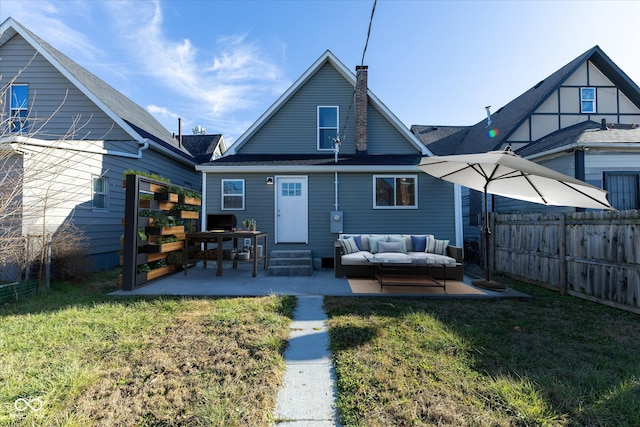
(592, 255)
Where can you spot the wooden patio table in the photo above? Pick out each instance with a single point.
(206, 237)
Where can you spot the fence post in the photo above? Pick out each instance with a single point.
(562, 254)
(492, 242)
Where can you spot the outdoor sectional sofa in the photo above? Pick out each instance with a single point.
(441, 260)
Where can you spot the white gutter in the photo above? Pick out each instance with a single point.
(17, 141)
(582, 145)
(308, 168)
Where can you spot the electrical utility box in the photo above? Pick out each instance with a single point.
(336, 221)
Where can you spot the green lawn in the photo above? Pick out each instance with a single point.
(553, 361)
(95, 360)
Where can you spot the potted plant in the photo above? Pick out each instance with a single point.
(249, 224)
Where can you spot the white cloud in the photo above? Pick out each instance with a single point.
(45, 19)
(233, 78)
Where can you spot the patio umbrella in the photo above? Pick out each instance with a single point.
(506, 174)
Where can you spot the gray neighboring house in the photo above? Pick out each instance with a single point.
(287, 173)
(72, 135)
(583, 121)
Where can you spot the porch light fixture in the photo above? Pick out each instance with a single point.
(270, 180)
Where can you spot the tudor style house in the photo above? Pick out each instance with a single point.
(583, 121)
(329, 157)
(68, 136)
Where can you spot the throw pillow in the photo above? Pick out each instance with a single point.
(401, 240)
(348, 245)
(356, 237)
(373, 243)
(390, 247)
(419, 243)
(437, 246)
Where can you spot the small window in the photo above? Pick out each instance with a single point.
(587, 99)
(291, 189)
(233, 194)
(99, 200)
(395, 192)
(327, 127)
(623, 188)
(19, 94)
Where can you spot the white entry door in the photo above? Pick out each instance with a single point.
(292, 210)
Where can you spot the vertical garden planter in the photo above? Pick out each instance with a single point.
(145, 214)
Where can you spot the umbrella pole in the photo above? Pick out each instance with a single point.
(487, 233)
(486, 283)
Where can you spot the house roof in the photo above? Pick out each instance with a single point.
(203, 147)
(127, 114)
(509, 118)
(330, 58)
(585, 134)
(441, 140)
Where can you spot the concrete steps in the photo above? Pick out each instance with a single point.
(290, 263)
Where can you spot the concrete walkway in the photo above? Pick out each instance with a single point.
(308, 395)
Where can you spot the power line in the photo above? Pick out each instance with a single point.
(373, 10)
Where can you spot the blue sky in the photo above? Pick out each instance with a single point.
(221, 64)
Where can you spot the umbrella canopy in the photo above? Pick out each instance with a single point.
(506, 174)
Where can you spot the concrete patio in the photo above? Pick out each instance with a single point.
(204, 282)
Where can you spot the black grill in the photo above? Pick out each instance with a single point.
(218, 222)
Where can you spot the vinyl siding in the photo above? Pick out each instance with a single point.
(356, 201)
(53, 98)
(66, 186)
(293, 128)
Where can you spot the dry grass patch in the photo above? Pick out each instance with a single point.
(138, 362)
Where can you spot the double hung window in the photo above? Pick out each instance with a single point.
(587, 99)
(232, 194)
(395, 191)
(327, 127)
(19, 104)
(99, 199)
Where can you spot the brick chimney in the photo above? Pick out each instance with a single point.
(362, 138)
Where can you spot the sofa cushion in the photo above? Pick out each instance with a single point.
(348, 245)
(392, 256)
(436, 246)
(400, 239)
(429, 258)
(373, 243)
(391, 247)
(356, 237)
(419, 243)
(357, 258)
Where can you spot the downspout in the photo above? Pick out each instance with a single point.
(203, 224)
(335, 182)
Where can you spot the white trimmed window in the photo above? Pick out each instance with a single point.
(99, 199)
(19, 94)
(587, 99)
(232, 194)
(395, 191)
(327, 126)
